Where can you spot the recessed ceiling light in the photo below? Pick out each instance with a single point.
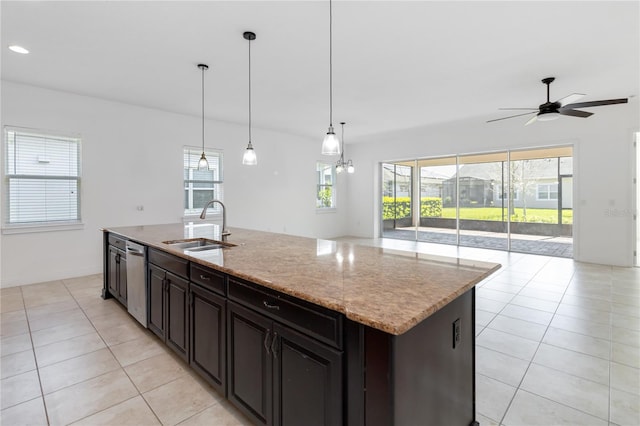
(18, 49)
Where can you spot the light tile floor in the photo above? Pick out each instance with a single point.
(69, 357)
(558, 343)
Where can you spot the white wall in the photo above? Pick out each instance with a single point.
(133, 156)
(602, 172)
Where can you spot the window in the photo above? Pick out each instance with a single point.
(326, 196)
(547, 191)
(201, 186)
(42, 179)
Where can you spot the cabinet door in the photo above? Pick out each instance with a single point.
(249, 363)
(156, 295)
(122, 279)
(208, 336)
(307, 388)
(114, 258)
(177, 315)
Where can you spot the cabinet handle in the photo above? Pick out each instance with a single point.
(266, 341)
(274, 346)
(205, 278)
(268, 306)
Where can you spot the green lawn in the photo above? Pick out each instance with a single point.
(495, 213)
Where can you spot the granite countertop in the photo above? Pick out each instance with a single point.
(389, 290)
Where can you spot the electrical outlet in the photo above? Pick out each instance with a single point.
(456, 333)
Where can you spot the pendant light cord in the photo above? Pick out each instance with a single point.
(203, 68)
(342, 137)
(249, 91)
(330, 66)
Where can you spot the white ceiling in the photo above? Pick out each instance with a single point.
(396, 64)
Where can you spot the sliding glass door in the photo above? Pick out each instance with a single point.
(438, 197)
(483, 202)
(542, 218)
(511, 200)
(397, 201)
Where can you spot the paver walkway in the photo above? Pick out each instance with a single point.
(547, 247)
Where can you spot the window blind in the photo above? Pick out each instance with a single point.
(42, 174)
(201, 186)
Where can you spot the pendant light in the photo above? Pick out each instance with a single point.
(330, 144)
(341, 165)
(203, 164)
(249, 158)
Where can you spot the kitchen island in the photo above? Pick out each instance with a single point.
(297, 330)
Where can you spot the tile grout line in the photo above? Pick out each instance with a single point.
(504, 415)
(35, 360)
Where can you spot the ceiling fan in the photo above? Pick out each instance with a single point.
(566, 106)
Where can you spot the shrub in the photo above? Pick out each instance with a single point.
(430, 207)
(401, 208)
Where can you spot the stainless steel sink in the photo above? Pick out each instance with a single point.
(197, 244)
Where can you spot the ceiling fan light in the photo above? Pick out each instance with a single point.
(330, 144)
(548, 116)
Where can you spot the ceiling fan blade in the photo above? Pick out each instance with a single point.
(574, 112)
(597, 103)
(528, 109)
(532, 120)
(570, 98)
(511, 116)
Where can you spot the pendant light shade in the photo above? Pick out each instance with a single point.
(350, 168)
(203, 164)
(330, 144)
(249, 158)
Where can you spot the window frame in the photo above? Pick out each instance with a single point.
(321, 166)
(40, 225)
(188, 184)
(548, 191)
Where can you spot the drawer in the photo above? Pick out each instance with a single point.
(118, 241)
(315, 321)
(169, 262)
(208, 278)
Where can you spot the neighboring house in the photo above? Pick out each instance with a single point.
(536, 184)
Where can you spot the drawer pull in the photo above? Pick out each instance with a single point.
(205, 278)
(268, 306)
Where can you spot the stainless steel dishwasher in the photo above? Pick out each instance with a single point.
(137, 282)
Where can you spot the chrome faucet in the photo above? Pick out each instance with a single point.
(203, 215)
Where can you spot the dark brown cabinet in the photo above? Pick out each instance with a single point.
(156, 298)
(307, 385)
(168, 296)
(117, 274)
(208, 336)
(278, 376)
(249, 363)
